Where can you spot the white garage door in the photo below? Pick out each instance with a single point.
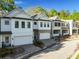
(44, 35)
(23, 40)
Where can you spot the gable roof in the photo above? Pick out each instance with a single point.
(38, 15)
(55, 18)
(42, 16)
(18, 12)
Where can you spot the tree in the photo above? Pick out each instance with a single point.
(52, 13)
(75, 15)
(39, 10)
(63, 14)
(7, 5)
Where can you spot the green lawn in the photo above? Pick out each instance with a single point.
(77, 56)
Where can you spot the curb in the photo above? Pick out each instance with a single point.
(31, 54)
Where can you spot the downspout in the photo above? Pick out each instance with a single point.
(51, 31)
(0, 24)
(11, 38)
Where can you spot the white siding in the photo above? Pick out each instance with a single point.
(56, 27)
(56, 34)
(21, 40)
(44, 35)
(22, 35)
(44, 28)
(21, 31)
(5, 27)
(35, 26)
(66, 33)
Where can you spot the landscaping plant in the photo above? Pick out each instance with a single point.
(38, 43)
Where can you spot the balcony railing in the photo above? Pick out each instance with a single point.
(65, 27)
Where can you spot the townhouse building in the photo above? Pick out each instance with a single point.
(20, 28)
(41, 27)
(16, 29)
(60, 28)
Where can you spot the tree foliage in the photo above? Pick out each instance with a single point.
(7, 5)
(52, 12)
(63, 14)
(40, 10)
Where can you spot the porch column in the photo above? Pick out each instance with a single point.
(12, 40)
(1, 41)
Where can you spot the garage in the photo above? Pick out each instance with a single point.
(21, 40)
(44, 35)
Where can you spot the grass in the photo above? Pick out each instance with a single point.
(77, 56)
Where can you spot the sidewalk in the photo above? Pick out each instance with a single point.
(30, 49)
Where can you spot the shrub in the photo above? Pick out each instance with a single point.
(38, 43)
(10, 51)
(5, 51)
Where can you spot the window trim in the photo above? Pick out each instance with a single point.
(35, 23)
(44, 24)
(22, 24)
(16, 24)
(41, 24)
(48, 24)
(7, 22)
(28, 24)
(7, 39)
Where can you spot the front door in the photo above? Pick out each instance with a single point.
(36, 34)
(7, 40)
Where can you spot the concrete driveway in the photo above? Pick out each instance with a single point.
(60, 51)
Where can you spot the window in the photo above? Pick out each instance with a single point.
(16, 24)
(74, 31)
(23, 24)
(7, 39)
(56, 31)
(6, 22)
(28, 25)
(47, 24)
(35, 23)
(44, 24)
(64, 31)
(55, 24)
(41, 24)
(63, 24)
(58, 24)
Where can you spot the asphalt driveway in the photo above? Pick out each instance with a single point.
(60, 51)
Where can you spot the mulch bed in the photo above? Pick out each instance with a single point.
(5, 51)
(10, 51)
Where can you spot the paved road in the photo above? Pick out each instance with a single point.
(61, 51)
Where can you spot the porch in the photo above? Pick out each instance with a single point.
(5, 41)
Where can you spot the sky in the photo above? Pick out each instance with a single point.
(58, 5)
